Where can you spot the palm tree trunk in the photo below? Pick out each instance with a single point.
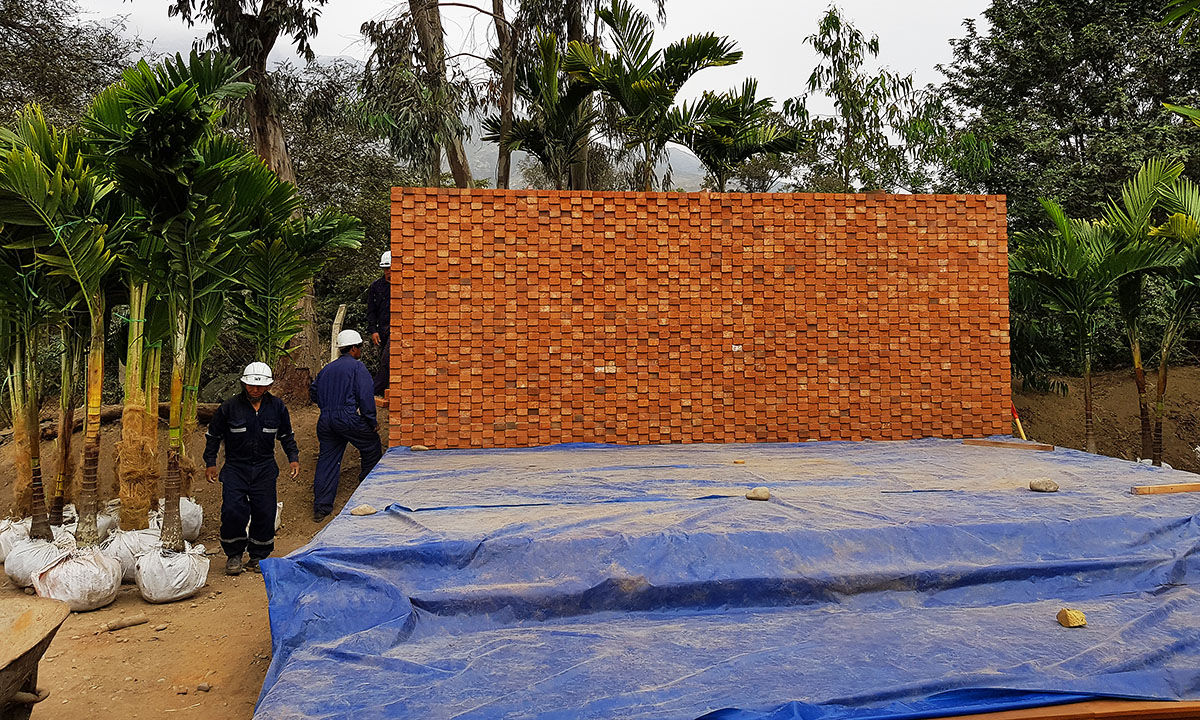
(1160, 406)
(648, 170)
(1089, 432)
(66, 422)
(172, 528)
(136, 451)
(86, 533)
(40, 529)
(1139, 380)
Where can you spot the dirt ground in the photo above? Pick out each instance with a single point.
(221, 638)
(1059, 420)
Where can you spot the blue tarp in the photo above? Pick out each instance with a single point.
(882, 580)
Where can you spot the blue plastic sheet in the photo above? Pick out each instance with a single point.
(882, 580)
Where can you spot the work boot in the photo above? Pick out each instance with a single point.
(252, 566)
(233, 565)
(318, 516)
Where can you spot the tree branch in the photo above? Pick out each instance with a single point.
(466, 54)
(480, 10)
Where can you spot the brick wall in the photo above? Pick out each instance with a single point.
(531, 317)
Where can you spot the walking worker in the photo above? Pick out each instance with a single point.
(379, 323)
(249, 424)
(344, 392)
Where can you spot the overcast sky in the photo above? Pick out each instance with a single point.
(914, 36)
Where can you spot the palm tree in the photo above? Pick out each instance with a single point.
(735, 128)
(53, 183)
(644, 82)
(70, 364)
(1182, 198)
(561, 119)
(154, 132)
(1076, 266)
(277, 267)
(1132, 220)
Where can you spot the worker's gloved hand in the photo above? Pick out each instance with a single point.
(211, 474)
(375, 338)
(294, 470)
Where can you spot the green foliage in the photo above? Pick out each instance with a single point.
(275, 273)
(644, 82)
(736, 127)
(560, 119)
(50, 56)
(876, 137)
(340, 166)
(409, 100)
(1069, 96)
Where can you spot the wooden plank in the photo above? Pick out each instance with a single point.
(1163, 489)
(1096, 710)
(1002, 444)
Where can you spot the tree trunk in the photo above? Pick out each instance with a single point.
(86, 532)
(266, 131)
(267, 137)
(137, 450)
(579, 169)
(172, 528)
(1160, 407)
(427, 19)
(1089, 432)
(40, 529)
(507, 41)
(1139, 380)
(66, 423)
(25, 408)
(648, 170)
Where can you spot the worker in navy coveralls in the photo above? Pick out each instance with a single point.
(249, 424)
(344, 391)
(379, 324)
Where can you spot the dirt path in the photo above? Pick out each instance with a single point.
(219, 637)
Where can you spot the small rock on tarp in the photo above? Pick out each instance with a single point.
(1071, 618)
(1043, 485)
(418, 448)
(363, 509)
(759, 493)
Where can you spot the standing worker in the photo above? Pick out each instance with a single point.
(343, 391)
(249, 424)
(379, 325)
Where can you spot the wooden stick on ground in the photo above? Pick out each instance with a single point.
(1002, 444)
(122, 623)
(1164, 489)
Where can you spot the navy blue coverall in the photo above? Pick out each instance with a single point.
(248, 478)
(379, 300)
(343, 390)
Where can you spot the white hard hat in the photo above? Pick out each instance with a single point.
(385, 260)
(346, 338)
(258, 373)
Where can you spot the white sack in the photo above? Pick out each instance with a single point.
(109, 518)
(83, 579)
(164, 576)
(28, 557)
(127, 546)
(190, 514)
(11, 533)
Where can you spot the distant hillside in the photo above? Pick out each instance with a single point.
(686, 171)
